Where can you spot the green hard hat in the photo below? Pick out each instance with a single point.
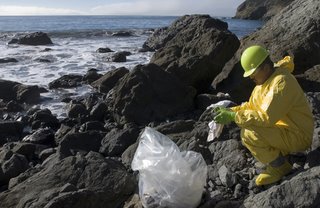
(251, 59)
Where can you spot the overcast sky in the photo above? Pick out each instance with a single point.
(225, 8)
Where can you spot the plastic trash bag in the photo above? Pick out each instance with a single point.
(215, 129)
(167, 177)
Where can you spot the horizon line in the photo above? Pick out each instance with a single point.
(159, 15)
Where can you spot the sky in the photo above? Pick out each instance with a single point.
(225, 8)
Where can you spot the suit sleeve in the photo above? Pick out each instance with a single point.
(274, 106)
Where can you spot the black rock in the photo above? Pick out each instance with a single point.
(108, 81)
(104, 50)
(66, 81)
(147, 94)
(119, 57)
(8, 60)
(37, 38)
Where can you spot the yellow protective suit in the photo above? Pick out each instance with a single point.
(277, 118)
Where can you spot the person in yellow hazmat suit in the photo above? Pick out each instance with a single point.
(277, 119)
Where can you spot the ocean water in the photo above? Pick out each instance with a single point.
(76, 39)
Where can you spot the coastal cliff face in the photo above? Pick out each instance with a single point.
(260, 9)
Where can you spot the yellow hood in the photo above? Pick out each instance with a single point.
(286, 63)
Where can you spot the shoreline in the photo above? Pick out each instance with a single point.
(89, 153)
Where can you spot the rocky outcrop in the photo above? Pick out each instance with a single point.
(41, 136)
(37, 38)
(194, 48)
(80, 142)
(7, 91)
(10, 131)
(260, 9)
(104, 50)
(149, 93)
(158, 39)
(8, 60)
(28, 94)
(310, 79)
(66, 81)
(117, 141)
(108, 81)
(11, 165)
(122, 34)
(285, 196)
(294, 31)
(10, 90)
(91, 76)
(119, 57)
(43, 118)
(76, 181)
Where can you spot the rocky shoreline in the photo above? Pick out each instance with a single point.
(260, 9)
(84, 160)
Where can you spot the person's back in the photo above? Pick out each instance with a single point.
(292, 107)
(299, 116)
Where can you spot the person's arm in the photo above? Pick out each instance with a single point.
(243, 106)
(275, 105)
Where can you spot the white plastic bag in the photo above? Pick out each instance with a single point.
(167, 177)
(215, 129)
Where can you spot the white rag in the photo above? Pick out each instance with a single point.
(215, 129)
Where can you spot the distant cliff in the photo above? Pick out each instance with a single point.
(260, 9)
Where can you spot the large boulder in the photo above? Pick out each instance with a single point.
(12, 166)
(195, 48)
(108, 80)
(41, 136)
(10, 131)
(7, 91)
(66, 81)
(149, 93)
(80, 142)
(37, 38)
(91, 76)
(43, 118)
(89, 181)
(295, 31)
(260, 9)
(119, 57)
(8, 60)
(10, 90)
(158, 38)
(310, 79)
(27, 93)
(117, 141)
